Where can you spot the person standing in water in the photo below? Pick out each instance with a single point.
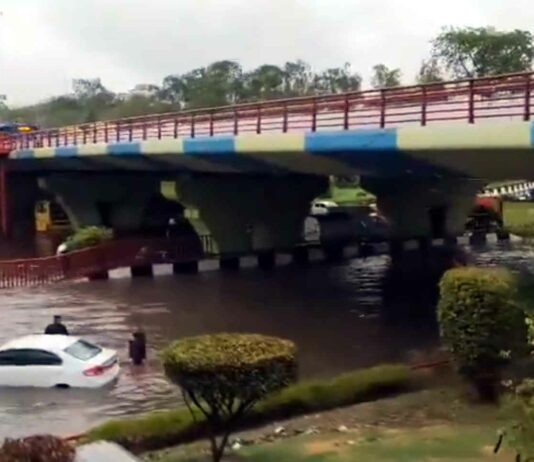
(56, 328)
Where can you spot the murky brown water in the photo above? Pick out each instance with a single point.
(334, 314)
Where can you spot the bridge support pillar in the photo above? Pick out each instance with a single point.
(99, 276)
(266, 260)
(142, 271)
(396, 248)
(301, 255)
(425, 244)
(115, 201)
(251, 214)
(503, 235)
(424, 207)
(334, 253)
(229, 263)
(451, 241)
(478, 238)
(190, 267)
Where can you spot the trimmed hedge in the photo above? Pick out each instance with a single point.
(225, 375)
(245, 366)
(481, 321)
(166, 428)
(88, 237)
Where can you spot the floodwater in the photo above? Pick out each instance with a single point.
(340, 316)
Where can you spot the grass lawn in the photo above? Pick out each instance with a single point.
(444, 443)
(469, 443)
(519, 218)
(160, 429)
(428, 426)
(518, 213)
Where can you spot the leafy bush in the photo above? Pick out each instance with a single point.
(166, 428)
(518, 410)
(43, 448)
(88, 237)
(348, 388)
(481, 323)
(225, 375)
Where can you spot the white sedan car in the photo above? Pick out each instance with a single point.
(56, 361)
(322, 207)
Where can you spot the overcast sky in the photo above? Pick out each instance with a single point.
(44, 44)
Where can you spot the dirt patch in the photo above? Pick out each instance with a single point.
(321, 447)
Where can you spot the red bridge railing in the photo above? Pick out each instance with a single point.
(506, 97)
(105, 257)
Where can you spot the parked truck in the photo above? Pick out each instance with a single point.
(486, 216)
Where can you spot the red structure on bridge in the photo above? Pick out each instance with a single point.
(506, 97)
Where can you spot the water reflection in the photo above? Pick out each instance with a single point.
(342, 317)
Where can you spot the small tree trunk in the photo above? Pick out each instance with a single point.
(222, 447)
(487, 387)
(214, 449)
(217, 448)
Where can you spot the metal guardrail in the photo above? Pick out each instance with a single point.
(500, 97)
(104, 257)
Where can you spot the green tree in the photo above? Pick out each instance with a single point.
(218, 84)
(384, 77)
(478, 52)
(337, 80)
(430, 72)
(172, 91)
(93, 96)
(267, 81)
(135, 105)
(88, 88)
(298, 78)
(223, 376)
(4, 110)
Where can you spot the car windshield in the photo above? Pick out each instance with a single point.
(83, 350)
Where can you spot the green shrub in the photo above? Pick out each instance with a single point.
(161, 429)
(348, 388)
(225, 375)
(481, 323)
(88, 237)
(43, 448)
(518, 410)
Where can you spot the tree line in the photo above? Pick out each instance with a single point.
(455, 53)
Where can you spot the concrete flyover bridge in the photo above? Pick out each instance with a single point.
(251, 170)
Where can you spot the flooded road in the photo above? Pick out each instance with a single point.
(335, 314)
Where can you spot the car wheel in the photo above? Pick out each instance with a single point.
(62, 386)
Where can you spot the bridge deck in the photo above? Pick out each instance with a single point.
(341, 132)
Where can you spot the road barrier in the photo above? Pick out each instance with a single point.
(102, 258)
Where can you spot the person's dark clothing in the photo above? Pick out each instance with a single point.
(56, 329)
